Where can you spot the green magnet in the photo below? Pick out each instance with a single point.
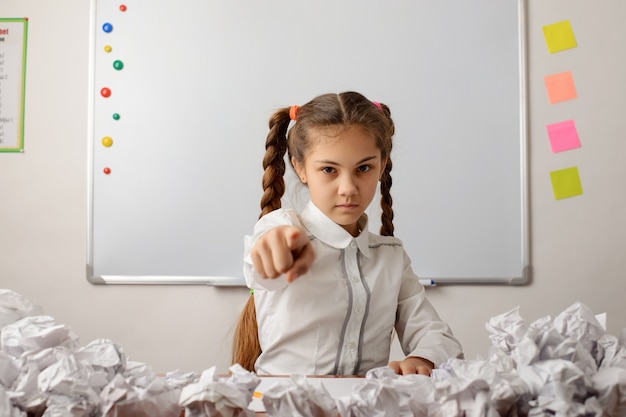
(118, 65)
(116, 116)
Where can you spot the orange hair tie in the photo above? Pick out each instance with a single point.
(293, 112)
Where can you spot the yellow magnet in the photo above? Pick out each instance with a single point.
(107, 141)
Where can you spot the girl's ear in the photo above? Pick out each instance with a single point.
(299, 170)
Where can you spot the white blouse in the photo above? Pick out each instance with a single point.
(338, 319)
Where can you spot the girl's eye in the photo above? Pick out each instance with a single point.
(364, 168)
(328, 170)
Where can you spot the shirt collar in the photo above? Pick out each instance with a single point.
(332, 234)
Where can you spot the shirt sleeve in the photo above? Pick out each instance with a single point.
(421, 331)
(279, 217)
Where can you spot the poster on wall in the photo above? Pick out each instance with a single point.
(13, 34)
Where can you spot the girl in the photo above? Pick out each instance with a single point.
(327, 292)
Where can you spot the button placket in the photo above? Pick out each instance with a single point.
(349, 355)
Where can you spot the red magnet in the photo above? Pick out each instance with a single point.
(106, 92)
(107, 170)
(122, 7)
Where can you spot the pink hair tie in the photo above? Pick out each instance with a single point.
(293, 112)
(377, 104)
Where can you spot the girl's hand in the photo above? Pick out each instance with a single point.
(283, 250)
(412, 365)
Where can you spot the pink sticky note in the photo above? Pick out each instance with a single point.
(560, 87)
(563, 136)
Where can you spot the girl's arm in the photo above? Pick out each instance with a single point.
(423, 335)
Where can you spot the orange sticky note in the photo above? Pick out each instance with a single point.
(566, 183)
(559, 36)
(560, 87)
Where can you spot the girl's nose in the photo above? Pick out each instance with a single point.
(347, 186)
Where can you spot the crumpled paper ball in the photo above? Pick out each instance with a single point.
(384, 393)
(152, 398)
(214, 396)
(299, 397)
(14, 306)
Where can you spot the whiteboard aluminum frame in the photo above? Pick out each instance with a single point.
(526, 274)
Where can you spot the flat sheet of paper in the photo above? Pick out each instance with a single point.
(566, 183)
(559, 36)
(336, 387)
(560, 87)
(563, 136)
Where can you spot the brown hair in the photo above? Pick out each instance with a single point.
(345, 109)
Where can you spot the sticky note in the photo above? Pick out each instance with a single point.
(566, 183)
(560, 87)
(559, 36)
(563, 136)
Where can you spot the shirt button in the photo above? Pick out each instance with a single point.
(355, 278)
(358, 310)
(351, 346)
(353, 244)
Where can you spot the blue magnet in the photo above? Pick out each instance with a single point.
(107, 27)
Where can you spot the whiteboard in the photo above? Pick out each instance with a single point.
(180, 97)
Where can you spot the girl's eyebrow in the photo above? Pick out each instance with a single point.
(329, 162)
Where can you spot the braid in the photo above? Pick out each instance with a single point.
(274, 162)
(246, 347)
(386, 217)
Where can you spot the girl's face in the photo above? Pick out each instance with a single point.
(342, 170)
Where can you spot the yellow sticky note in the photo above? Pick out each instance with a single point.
(566, 183)
(559, 36)
(560, 87)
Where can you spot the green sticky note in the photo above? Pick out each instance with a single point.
(566, 183)
(559, 36)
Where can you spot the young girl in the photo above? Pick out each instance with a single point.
(328, 293)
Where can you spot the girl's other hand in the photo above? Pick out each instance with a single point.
(412, 365)
(283, 250)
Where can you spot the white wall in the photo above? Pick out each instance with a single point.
(577, 245)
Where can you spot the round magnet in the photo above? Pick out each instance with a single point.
(122, 7)
(107, 27)
(118, 65)
(107, 141)
(105, 92)
(107, 170)
(116, 116)
(107, 48)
